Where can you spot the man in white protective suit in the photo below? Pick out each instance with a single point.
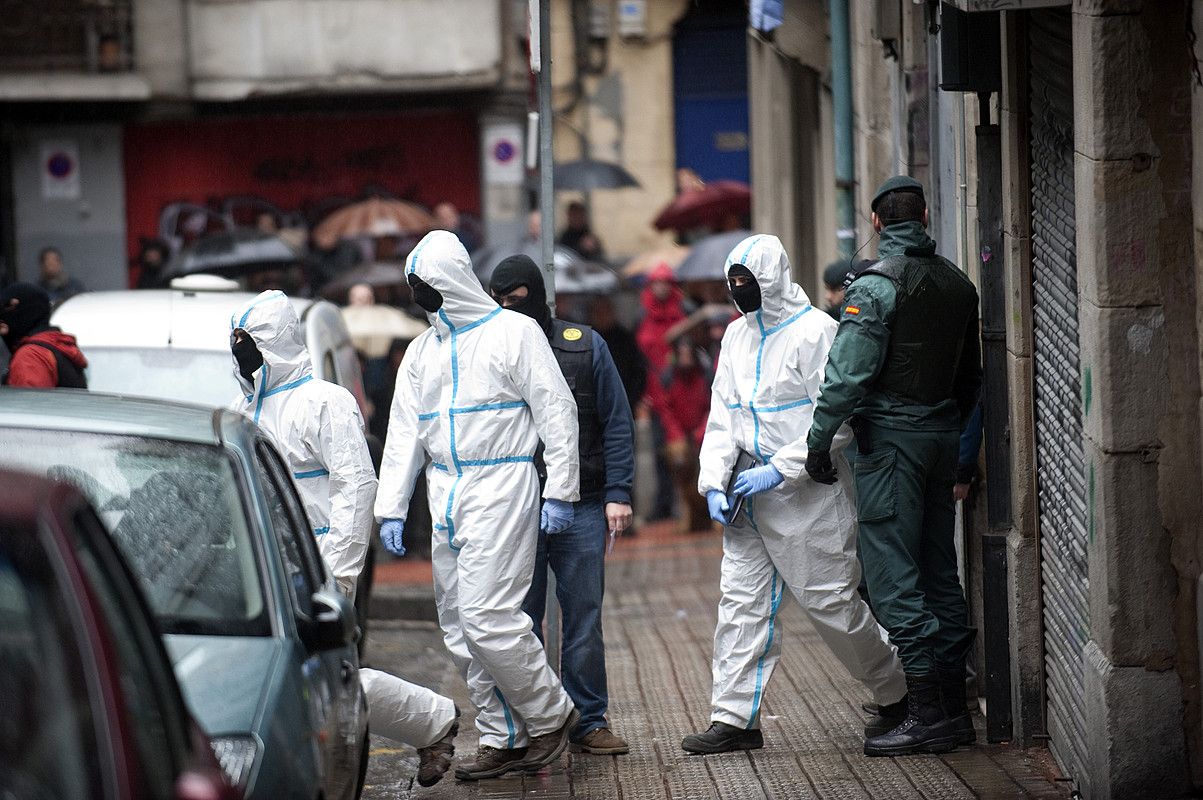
(475, 394)
(317, 427)
(791, 532)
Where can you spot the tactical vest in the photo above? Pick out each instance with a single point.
(935, 304)
(573, 348)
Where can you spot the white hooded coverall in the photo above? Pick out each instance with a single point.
(474, 396)
(317, 427)
(800, 535)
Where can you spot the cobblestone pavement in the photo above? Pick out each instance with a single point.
(662, 592)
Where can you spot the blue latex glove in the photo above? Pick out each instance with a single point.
(716, 502)
(757, 479)
(391, 534)
(555, 517)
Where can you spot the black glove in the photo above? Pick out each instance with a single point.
(819, 467)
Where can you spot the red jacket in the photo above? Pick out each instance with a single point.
(34, 366)
(658, 317)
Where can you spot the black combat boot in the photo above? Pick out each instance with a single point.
(722, 738)
(886, 718)
(926, 729)
(952, 694)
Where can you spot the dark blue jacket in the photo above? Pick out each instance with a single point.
(618, 430)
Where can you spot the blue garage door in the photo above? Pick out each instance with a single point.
(710, 95)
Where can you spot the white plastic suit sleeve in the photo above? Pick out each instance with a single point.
(403, 453)
(537, 377)
(790, 460)
(344, 452)
(718, 452)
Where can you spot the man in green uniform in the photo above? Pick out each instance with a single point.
(905, 369)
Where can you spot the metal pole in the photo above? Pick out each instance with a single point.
(547, 221)
(546, 192)
(841, 96)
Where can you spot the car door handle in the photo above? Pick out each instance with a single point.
(347, 672)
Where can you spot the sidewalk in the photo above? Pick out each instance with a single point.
(662, 593)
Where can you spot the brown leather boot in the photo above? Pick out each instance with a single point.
(545, 749)
(491, 762)
(601, 742)
(435, 759)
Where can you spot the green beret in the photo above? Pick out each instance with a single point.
(898, 183)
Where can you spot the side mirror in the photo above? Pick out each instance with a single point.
(333, 622)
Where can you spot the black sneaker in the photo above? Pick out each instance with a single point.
(491, 762)
(722, 738)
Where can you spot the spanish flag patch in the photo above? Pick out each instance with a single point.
(851, 310)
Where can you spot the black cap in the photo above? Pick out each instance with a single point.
(898, 183)
(835, 274)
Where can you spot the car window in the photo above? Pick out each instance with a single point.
(48, 746)
(176, 513)
(148, 699)
(194, 376)
(292, 531)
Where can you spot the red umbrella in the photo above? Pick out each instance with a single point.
(707, 207)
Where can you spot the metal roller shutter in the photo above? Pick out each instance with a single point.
(1060, 474)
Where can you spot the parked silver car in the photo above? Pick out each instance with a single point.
(204, 510)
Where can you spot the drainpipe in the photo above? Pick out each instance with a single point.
(841, 95)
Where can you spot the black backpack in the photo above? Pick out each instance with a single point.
(69, 375)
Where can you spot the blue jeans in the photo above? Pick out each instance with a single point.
(577, 556)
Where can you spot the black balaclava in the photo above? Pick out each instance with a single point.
(31, 314)
(746, 297)
(426, 296)
(247, 354)
(521, 270)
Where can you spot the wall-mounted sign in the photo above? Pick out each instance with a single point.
(60, 170)
(502, 145)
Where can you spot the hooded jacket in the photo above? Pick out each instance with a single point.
(479, 389)
(37, 349)
(318, 429)
(33, 365)
(769, 373)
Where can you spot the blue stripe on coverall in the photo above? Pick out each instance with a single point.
(455, 459)
(776, 592)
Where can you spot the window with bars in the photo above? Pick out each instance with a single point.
(89, 36)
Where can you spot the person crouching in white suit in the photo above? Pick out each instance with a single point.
(790, 532)
(317, 427)
(475, 393)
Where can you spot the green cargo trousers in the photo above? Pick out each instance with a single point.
(907, 520)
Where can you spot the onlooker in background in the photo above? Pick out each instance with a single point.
(578, 235)
(449, 219)
(662, 309)
(686, 384)
(153, 256)
(833, 288)
(55, 280)
(632, 366)
(42, 357)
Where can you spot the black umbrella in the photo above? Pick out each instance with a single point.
(235, 253)
(707, 259)
(586, 175)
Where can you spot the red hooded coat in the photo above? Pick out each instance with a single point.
(34, 366)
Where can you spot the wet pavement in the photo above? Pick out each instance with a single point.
(662, 594)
